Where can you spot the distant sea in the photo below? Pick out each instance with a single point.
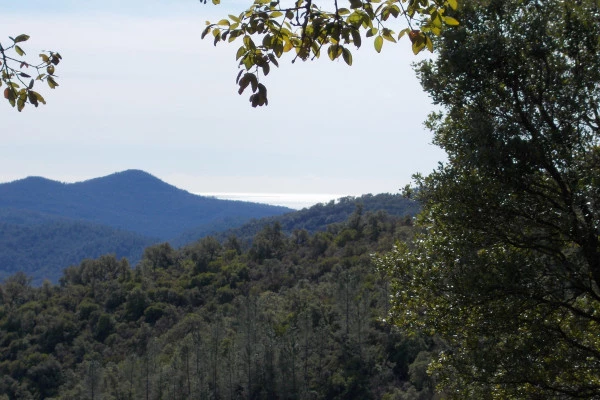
(296, 201)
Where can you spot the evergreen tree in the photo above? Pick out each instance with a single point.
(508, 269)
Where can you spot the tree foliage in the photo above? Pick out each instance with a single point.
(209, 322)
(269, 29)
(16, 75)
(508, 270)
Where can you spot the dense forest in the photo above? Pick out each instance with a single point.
(298, 316)
(315, 218)
(42, 245)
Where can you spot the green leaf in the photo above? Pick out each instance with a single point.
(451, 21)
(32, 98)
(378, 43)
(244, 82)
(51, 82)
(21, 38)
(403, 32)
(204, 33)
(266, 69)
(372, 32)
(417, 46)
(356, 4)
(38, 97)
(273, 59)
(19, 51)
(249, 43)
(429, 44)
(253, 81)
(347, 56)
(387, 35)
(356, 39)
(266, 42)
(334, 51)
(241, 51)
(453, 4)
(355, 19)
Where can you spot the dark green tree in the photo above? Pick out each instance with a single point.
(508, 269)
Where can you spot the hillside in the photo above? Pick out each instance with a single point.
(321, 216)
(131, 200)
(296, 317)
(42, 245)
(45, 226)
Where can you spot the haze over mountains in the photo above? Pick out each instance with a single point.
(131, 200)
(46, 226)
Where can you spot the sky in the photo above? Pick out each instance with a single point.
(139, 89)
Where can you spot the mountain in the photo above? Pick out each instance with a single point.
(132, 201)
(45, 225)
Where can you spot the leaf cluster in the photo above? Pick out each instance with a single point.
(19, 83)
(270, 29)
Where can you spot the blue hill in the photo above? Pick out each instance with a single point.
(132, 201)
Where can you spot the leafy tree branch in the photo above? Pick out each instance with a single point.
(16, 71)
(270, 29)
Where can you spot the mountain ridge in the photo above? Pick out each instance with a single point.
(131, 200)
(46, 225)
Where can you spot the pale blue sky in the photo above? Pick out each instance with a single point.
(140, 89)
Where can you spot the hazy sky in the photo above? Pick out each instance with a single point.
(140, 89)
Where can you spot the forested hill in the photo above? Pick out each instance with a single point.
(320, 216)
(131, 200)
(45, 226)
(296, 317)
(42, 245)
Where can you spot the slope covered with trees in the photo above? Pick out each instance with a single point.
(294, 317)
(47, 225)
(42, 246)
(316, 218)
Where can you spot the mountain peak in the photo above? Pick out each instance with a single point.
(127, 175)
(135, 173)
